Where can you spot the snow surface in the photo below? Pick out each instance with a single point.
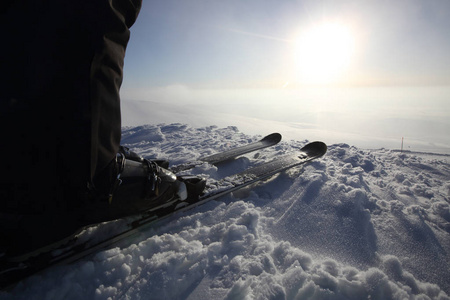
(355, 224)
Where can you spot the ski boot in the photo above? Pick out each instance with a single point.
(138, 185)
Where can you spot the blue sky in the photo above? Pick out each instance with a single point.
(252, 44)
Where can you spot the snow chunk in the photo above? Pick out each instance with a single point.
(141, 134)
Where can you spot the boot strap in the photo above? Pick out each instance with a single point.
(151, 187)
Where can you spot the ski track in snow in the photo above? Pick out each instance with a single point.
(355, 224)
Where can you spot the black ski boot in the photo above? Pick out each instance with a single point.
(133, 185)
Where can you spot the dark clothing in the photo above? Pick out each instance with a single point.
(61, 70)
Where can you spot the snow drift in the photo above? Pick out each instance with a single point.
(355, 224)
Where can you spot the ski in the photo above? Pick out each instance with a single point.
(267, 141)
(12, 272)
(265, 170)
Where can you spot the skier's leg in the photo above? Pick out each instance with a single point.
(60, 110)
(106, 79)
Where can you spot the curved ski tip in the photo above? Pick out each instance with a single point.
(272, 138)
(315, 148)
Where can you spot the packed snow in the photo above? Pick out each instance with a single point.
(355, 224)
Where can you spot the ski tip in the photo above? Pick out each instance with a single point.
(272, 138)
(315, 149)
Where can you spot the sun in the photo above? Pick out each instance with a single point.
(323, 53)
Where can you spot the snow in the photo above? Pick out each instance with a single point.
(355, 224)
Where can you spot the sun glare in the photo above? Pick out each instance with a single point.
(323, 53)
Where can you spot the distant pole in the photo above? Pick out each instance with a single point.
(402, 146)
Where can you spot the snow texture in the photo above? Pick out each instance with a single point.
(355, 224)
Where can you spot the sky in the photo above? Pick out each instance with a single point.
(258, 43)
(362, 72)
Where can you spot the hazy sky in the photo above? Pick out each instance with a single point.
(253, 63)
(258, 43)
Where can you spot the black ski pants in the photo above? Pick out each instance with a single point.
(61, 70)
